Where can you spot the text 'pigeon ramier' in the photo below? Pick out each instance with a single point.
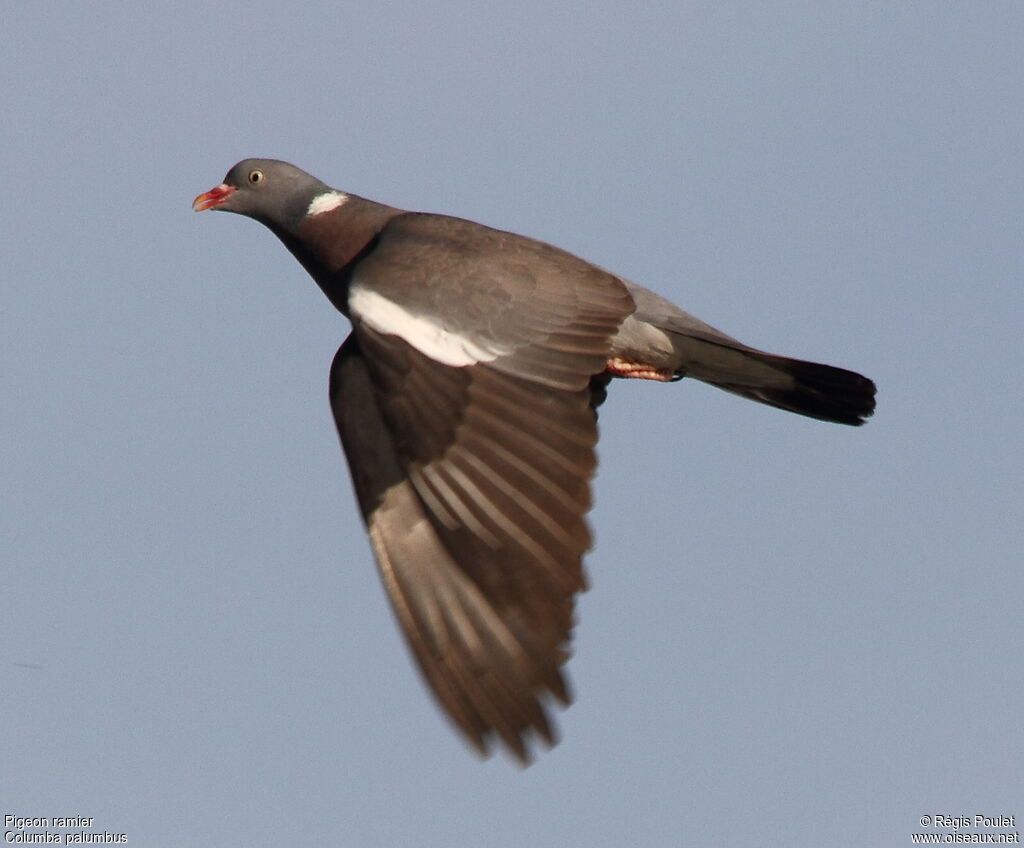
(466, 400)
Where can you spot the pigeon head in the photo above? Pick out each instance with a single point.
(270, 191)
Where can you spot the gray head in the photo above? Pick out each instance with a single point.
(273, 192)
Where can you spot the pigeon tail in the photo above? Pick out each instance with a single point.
(807, 388)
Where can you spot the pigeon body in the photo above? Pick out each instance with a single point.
(465, 398)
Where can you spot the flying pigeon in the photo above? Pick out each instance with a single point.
(466, 397)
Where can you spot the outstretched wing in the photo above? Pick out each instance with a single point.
(471, 447)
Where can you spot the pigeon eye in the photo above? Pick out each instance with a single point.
(255, 177)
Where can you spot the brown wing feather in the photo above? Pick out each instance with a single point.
(474, 480)
(488, 627)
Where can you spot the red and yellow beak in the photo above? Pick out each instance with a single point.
(213, 198)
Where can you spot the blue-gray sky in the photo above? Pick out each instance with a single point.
(797, 634)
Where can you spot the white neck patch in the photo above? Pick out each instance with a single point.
(420, 331)
(326, 202)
